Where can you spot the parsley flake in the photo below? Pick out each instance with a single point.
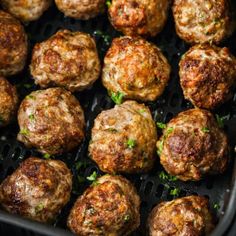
(131, 143)
(117, 98)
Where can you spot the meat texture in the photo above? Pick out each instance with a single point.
(81, 9)
(123, 139)
(37, 190)
(8, 102)
(13, 45)
(208, 75)
(202, 21)
(193, 145)
(67, 59)
(109, 207)
(187, 216)
(139, 17)
(51, 120)
(135, 68)
(26, 10)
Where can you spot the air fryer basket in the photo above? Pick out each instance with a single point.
(219, 189)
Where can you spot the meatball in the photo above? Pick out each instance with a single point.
(202, 21)
(8, 102)
(109, 207)
(81, 9)
(208, 75)
(193, 145)
(139, 17)
(26, 10)
(184, 216)
(51, 120)
(13, 45)
(67, 59)
(38, 189)
(135, 68)
(123, 139)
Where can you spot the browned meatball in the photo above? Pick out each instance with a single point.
(13, 45)
(51, 120)
(123, 139)
(38, 189)
(139, 17)
(81, 9)
(201, 21)
(26, 10)
(109, 207)
(193, 145)
(135, 68)
(187, 216)
(8, 102)
(208, 75)
(67, 59)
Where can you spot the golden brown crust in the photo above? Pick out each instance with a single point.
(111, 207)
(38, 189)
(208, 75)
(187, 216)
(26, 10)
(192, 145)
(13, 45)
(8, 102)
(139, 17)
(136, 68)
(114, 129)
(51, 120)
(202, 21)
(67, 59)
(81, 9)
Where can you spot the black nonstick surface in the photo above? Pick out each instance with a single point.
(219, 189)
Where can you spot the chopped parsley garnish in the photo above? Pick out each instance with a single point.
(30, 97)
(131, 143)
(161, 143)
(80, 164)
(141, 111)
(127, 218)
(216, 206)
(221, 120)
(117, 98)
(161, 125)
(113, 130)
(108, 3)
(106, 38)
(205, 130)
(165, 176)
(93, 177)
(39, 208)
(24, 132)
(175, 192)
(31, 117)
(47, 156)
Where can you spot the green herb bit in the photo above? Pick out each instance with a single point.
(24, 132)
(221, 120)
(161, 125)
(169, 131)
(117, 97)
(31, 117)
(131, 143)
(160, 147)
(163, 175)
(108, 3)
(39, 208)
(216, 206)
(127, 218)
(141, 111)
(30, 97)
(46, 156)
(93, 177)
(205, 130)
(175, 192)
(80, 164)
(113, 130)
